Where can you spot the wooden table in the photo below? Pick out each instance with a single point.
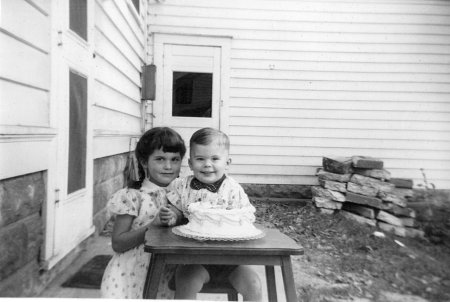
(273, 249)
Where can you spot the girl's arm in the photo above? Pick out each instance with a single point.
(123, 237)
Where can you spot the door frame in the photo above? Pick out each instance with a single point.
(65, 58)
(222, 42)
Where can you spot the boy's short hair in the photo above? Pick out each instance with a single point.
(206, 136)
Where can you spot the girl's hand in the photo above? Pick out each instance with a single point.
(167, 216)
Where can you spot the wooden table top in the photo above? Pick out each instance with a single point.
(163, 240)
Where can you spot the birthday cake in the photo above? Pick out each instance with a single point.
(211, 222)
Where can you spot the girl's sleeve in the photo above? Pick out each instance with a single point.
(174, 190)
(125, 201)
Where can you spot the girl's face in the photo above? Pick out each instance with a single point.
(162, 167)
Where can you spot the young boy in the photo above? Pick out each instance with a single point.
(209, 160)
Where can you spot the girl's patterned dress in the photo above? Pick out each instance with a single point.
(124, 277)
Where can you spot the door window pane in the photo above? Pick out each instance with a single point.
(78, 17)
(192, 94)
(77, 132)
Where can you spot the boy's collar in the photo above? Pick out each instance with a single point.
(214, 187)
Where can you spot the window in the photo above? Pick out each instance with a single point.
(192, 94)
(77, 132)
(78, 17)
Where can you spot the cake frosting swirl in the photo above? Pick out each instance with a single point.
(213, 221)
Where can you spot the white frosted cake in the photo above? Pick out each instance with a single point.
(214, 222)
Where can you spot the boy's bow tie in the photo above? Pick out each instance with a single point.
(214, 187)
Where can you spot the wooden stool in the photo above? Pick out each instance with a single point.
(208, 288)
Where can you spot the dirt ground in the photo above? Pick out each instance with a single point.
(345, 261)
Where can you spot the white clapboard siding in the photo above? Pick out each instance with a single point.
(32, 19)
(119, 49)
(135, 40)
(115, 121)
(335, 104)
(21, 62)
(111, 31)
(345, 133)
(415, 96)
(30, 105)
(108, 51)
(328, 78)
(394, 69)
(25, 143)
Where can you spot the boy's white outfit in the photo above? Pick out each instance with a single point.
(230, 195)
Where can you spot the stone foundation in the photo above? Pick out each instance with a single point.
(278, 191)
(21, 234)
(108, 178)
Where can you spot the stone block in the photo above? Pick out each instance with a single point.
(326, 211)
(326, 203)
(360, 210)
(24, 282)
(318, 191)
(367, 162)
(101, 218)
(372, 182)
(21, 196)
(402, 182)
(13, 248)
(362, 190)
(358, 218)
(104, 190)
(389, 218)
(392, 198)
(408, 222)
(380, 174)
(321, 174)
(333, 185)
(364, 200)
(109, 166)
(397, 230)
(400, 211)
(413, 233)
(35, 236)
(338, 165)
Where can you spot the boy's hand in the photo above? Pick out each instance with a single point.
(167, 216)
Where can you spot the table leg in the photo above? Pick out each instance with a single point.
(288, 279)
(155, 271)
(271, 284)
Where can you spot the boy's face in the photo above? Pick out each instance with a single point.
(209, 162)
(162, 167)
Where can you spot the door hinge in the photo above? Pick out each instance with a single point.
(60, 43)
(56, 195)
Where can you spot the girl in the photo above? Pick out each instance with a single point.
(159, 153)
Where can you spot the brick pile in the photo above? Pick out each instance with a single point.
(361, 189)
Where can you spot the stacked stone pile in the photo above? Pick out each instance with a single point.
(364, 191)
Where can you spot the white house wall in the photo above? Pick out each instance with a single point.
(119, 56)
(24, 87)
(329, 78)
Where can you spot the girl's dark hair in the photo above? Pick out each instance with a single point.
(156, 138)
